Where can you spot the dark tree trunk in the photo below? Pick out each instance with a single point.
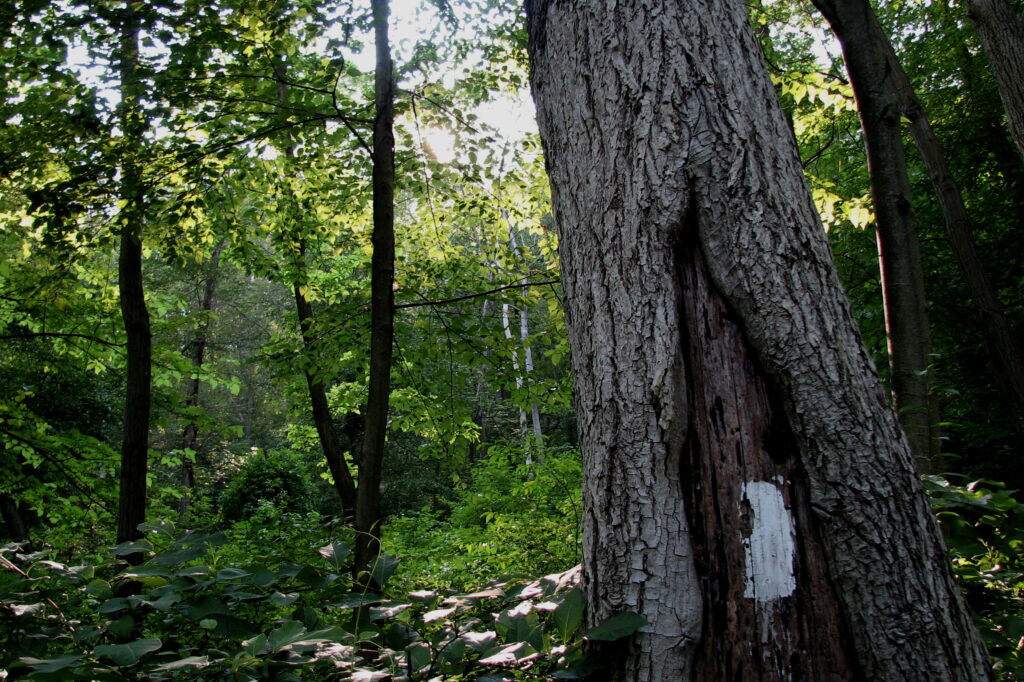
(1003, 341)
(382, 299)
(747, 487)
(1001, 29)
(197, 351)
(905, 302)
(131, 509)
(334, 453)
(17, 530)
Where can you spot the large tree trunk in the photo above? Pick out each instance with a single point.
(747, 487)
(382, 304)
(1003, 341)
(131, 508)
(906, 316)
(1001, 29)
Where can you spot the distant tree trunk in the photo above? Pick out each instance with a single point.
(334, 454)
(1001, 29)
(524, 338)
(197, 351)
(382, 305)
(131, 509)
(747, 488)
(337, 463)
(506, 324)
(1000, 336)
(905, 301)
(17, 530)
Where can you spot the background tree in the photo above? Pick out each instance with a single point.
(1000, 25)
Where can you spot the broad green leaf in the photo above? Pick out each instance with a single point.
(52, 665)
(190, 662)
(279, 599)
(616, 627)
(383, 568)
(569, 615)
(128, 654)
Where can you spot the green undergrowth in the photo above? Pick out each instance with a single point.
(272, 597)
(508, 517)
(984, 528)
(196, 616)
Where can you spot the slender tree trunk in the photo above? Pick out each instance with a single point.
(382, 305)
(506, 324)
(334, 454)
(1001, 29)
(524, 338)
(905, 302)
(17, 530)
(131, 510)
(197, 352)
(747, 487)
(999, 334)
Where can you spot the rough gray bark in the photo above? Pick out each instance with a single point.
(382, 304)
(131, 508)
(1002, 339)
(899, 254)
(1000, 27)
(747, 487)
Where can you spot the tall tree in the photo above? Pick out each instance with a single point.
(1000, 26)
(197, 353)
(330, 443)
(1000, 335)
(131, 509)
(899, 252)
(382, 297)
(747, 490)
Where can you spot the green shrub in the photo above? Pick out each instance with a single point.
(278, 477)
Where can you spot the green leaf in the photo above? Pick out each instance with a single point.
(337, 553)
(616, 627)
(181, 663)
(569, 615)
(256, 645)
(289, 632)
(113, 605)
(384, 568)
(279, 599)
(52, 665)
(133, 547)
(128, 654)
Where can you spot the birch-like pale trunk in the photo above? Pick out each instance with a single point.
(747, 487)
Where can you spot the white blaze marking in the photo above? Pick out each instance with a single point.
(771, 547)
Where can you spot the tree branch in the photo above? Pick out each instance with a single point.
(443, 301)
(59, 335)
